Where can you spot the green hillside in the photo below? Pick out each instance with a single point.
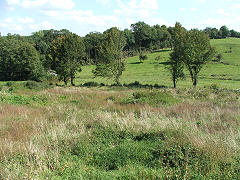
(225, 74)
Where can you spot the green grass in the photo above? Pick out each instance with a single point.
(225, 75)
(119, 133)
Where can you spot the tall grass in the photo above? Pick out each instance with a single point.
(91, 134)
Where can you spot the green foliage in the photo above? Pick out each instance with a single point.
(158, 58)
(192, 48)
(68, 52)
(143, 57)
(37, 85)
(219, 57)
(92, 41)
(23, 100)
(19, 61)
(91, 84)
(166, 154)
(111, 62)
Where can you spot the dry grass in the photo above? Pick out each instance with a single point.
(37, 132)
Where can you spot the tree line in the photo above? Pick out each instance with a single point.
(33, 57)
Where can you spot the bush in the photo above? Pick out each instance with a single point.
(219, 57)
(158, 58)
(19, 61)
(153, 98)
(91, 84)
(37, 85)
(143, 57)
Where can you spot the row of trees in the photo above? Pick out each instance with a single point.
(30, 57)
(221, 33)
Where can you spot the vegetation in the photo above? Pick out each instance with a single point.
(67, 54)
(111, 62)
(112, 133)
(19, 61)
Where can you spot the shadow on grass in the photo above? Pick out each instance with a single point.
(136, 63)
(135, 84)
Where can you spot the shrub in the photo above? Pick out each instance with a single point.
(91, 84)
(37, 85)
(153, 98)
(219, 57)
(158, 58)
(143, 57)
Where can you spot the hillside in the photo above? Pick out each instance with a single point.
(225, 74)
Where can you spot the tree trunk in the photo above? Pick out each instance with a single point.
(195, 81)
(117, 81)
(65, 81)
(72, 83)
(174, 83)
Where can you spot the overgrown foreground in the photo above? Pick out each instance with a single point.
(118, 133)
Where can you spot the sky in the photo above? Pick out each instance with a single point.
(83, 16)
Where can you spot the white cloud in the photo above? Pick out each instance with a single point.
(41, 26)
(56, 4)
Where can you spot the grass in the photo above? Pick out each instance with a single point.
(89, 133)
(151, 71)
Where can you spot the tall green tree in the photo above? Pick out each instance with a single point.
(92, 41)
(68, 54)
(224, 32)
(143, 35)
(175, 62)
(111, 61)
(19, 61)
(196, 52)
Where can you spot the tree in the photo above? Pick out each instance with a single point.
(68, 52)
(224, 32)
(196, 52)
(130, 41)
(143, 35)
(92, 41)
(111, 62)
(19, 61)
(175, 63)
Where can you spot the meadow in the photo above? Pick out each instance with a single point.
(225, 74)
(127, 132)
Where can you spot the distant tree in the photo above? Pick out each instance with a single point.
(234, 33)
(130, 40)
(175, 62)
(162, 38)
(143, 35)
(92, 41)
(224, 32)
(196, 52)
(19, 61)
(68, 53)
(111, 62)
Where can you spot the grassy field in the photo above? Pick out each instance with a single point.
(108, 132)
(118, 133)
(225, 74)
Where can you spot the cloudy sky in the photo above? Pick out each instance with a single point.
(83, 16)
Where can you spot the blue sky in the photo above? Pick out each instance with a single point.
(84, 16)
